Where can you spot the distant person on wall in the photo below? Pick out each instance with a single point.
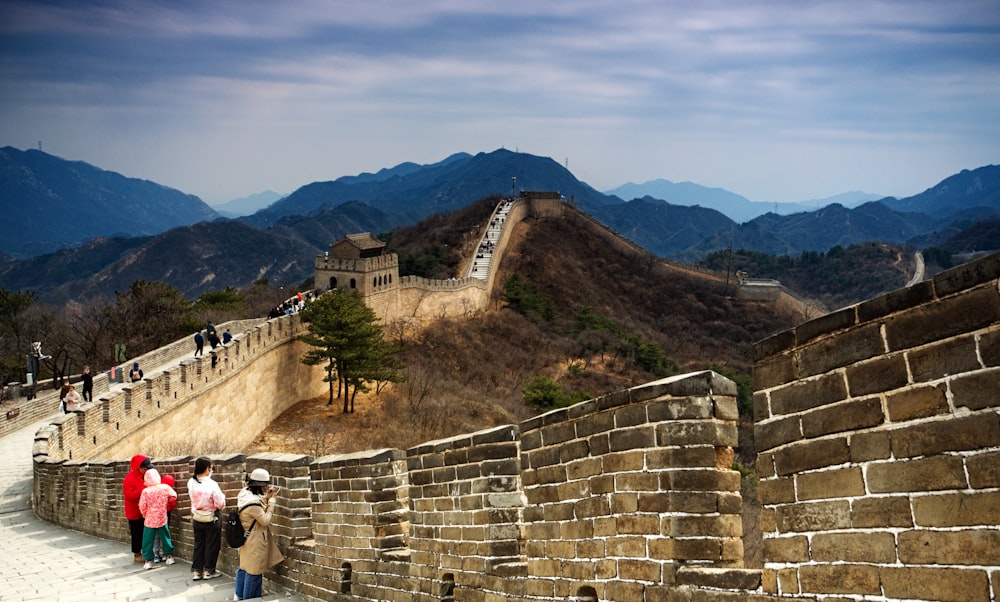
(209, 330)
(226, 337)
(88, 385)
(72, 401)
(135, 374)
(132, 486)
(213, 340)
(207, 500)
(260, 552)
(199, 344)
(153, 503)
(63, 390)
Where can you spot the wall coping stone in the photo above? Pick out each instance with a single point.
(957, 279)
(368, 456)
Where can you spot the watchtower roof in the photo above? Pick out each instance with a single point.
(356, 246)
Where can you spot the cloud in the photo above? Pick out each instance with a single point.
(634, 88)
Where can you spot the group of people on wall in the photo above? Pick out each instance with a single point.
(150, 497)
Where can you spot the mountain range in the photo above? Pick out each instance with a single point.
(176, 238)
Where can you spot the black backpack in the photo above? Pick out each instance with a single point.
(235, 535)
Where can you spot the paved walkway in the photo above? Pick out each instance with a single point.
(40, 561)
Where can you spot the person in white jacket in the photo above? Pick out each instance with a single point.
(207, 500)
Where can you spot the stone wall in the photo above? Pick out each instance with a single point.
(880, 444)
(627, 497)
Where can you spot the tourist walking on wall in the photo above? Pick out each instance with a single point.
(226, 337)
(88, 385)
(132, 486)
(154, 503)
(71, 402)
(199, 343)
(260, 552)
(207, 500)
(135, 375)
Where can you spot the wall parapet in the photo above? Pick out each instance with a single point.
(629, 496)
(878, 428)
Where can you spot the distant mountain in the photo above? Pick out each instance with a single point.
(734, 206)
(966, 194)
(247, 205)
(193, 259)
(50, 203)
(818, 230)
(660, 227)
(441, 187)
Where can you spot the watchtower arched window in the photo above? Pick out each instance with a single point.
(354, 283)
(333, 282)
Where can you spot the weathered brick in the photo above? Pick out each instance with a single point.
(776, 491)
(690, 432)
(825, 324)
(854, 547)
(807, 394)
(989, 347)
(818, 516)
(773, 344)
(841, 349)
(637, 437)
(810, 455)
(957, 509)
(984, 470)
(827, 484)
(945, 584)
(841, 417)
(726, 525)
(840, 579)
(771, 434)
(788, 580)
(877, 376)
(977, 391)
(967, 275)
(955, 434)
(949, 357)
(700, 480)
(681, 457)
(761, 407)
(786, 549)
(917, 402)
(961, 314)
(879, 512)
(697, 549)
(897, 300)
(974, 546)
(773, 371)
(927, 474)
(870, 446)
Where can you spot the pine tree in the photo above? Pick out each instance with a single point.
(347, 338)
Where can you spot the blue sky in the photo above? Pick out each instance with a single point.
(777, 101)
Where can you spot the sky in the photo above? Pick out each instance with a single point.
(784, 100)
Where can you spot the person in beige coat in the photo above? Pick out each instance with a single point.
(255, 503)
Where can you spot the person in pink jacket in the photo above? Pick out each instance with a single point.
(154, 503)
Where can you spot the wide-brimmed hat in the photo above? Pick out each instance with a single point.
(259, 476)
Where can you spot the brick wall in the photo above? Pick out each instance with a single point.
(628, 497)
(879, 442)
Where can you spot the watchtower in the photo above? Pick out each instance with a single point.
(358, 262)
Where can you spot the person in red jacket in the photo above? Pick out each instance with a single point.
(132, 486)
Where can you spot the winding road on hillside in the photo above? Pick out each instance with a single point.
(918, 273)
